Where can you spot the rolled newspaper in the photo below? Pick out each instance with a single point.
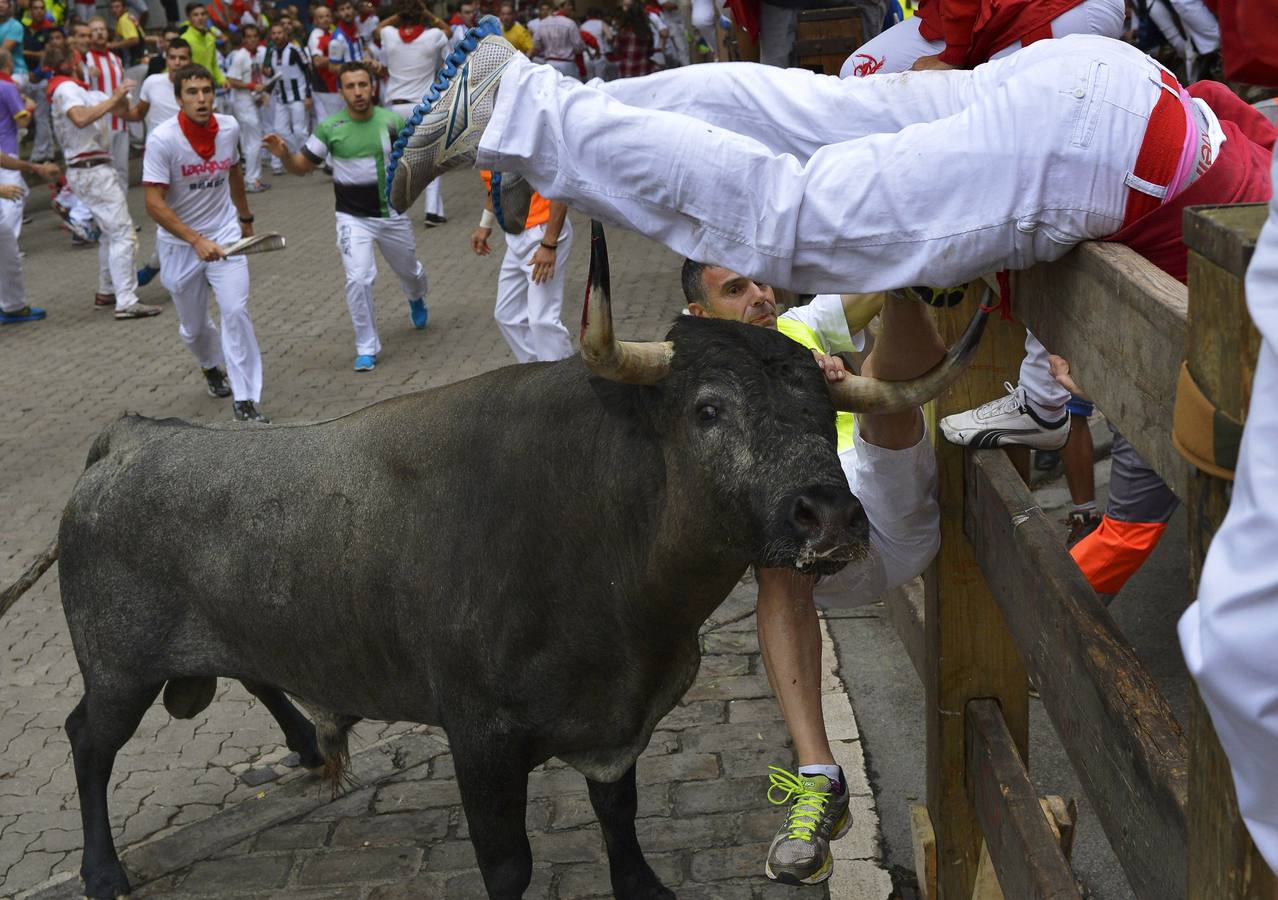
(258, 243)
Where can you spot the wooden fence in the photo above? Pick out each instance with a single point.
(1005, 605)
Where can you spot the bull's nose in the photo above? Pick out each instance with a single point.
(819, 510)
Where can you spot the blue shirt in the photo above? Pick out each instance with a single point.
(12, 30)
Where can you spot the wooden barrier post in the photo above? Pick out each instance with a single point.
(970, 653)
(1222, 349)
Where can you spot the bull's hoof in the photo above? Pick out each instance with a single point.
(106, 883)
(641, 887)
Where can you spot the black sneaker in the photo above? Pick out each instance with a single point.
(1081, 524)
(217, 383)
(432, 220)
(246, 411)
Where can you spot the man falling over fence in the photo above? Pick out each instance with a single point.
(794, 179)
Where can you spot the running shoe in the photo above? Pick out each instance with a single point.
(444, 129)
(247, 411)
(418, 313)
(365, 362)
(137, 311)
(103, 301)
(146, 274)
(800, 852)
(26, 314)
(512, 198)
(256, 187)
(216, 382)
(1005, 421)
(433, 219)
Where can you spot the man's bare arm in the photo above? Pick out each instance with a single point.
(83, 116)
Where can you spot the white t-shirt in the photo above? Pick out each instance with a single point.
(367, 27)
(157, 90)
(245, 66)
(78, 143)
(198, 189)
(412, 66)
(533, 25)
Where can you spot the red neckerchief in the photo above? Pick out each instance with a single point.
(202, 137)
(58, 80)
(652, 8)
(410, 33)
(350, 29)
(5, 76)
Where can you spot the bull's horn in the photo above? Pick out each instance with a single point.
(624, 361)
(871, 395)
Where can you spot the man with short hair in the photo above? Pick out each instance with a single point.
(78, 119)
(195, 194)
(467, 16)
(106, 73)
(127, 40)
(512, 30)
(12, 38)
(345, 44)
(324, 94)
(891, 469)
(157, 103)
(201, 37)
(287, 64)
(244, 77)
(558, 42)
(358, 141)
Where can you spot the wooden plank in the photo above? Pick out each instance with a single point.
(969, 651)
(1060, 818)
(904, 606)
(923, 840)
(1114, 724)
(1026, 854)
(1120, 321)
(1222, 348)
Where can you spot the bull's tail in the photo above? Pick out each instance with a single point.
(29, 577)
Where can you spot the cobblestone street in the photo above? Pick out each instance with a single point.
(210, 806)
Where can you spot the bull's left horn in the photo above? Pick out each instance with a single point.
(871, 395)
(624, 361)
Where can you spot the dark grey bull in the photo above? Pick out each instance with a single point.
(523, 558)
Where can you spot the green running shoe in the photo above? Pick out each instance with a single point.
(800, 853)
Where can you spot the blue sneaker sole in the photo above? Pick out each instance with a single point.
(452, 65)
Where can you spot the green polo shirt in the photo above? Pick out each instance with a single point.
(204, 52)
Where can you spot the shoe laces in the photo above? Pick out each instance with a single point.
(1012, 403)
(807, 806)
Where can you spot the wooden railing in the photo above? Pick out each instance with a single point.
(1004, 604)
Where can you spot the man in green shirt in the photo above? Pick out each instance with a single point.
(202, 39)
(357, 141)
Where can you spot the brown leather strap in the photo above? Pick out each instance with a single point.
(1201, 433)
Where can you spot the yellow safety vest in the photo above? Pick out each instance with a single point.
(844, 422)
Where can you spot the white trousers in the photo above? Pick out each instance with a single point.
(433, 202)
(187, 279)
(247, 114)
(13, 292)
(1230, 632)
(799, 180)
(896, 49)
(290, 124)
(527, 313)
(1160, 14)
(120, 155)
(101, 190)
(1042, 390)
(1200, 23)
(356, 237)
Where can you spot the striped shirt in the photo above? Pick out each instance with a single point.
(358, 151)
(110, 76)
(291, 66)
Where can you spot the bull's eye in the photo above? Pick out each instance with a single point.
(707, 412)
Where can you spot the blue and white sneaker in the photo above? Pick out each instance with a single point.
(365, 362)
(26, 314)
(512, 198)
(418, 313)
(444, 129)
(146, 274)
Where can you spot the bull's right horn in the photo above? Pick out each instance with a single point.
(624, 361)
(872, 395)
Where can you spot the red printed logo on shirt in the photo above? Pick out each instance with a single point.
(209, 167)
(869, 67)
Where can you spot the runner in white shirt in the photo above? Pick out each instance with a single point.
(324, 96)
(413, 54)
(106, 72)
(287, 63)
(81, 123)
(245, 79)
(157, 103)
(194, 190)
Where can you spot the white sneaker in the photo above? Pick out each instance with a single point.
(1007, 420)
(443, 130)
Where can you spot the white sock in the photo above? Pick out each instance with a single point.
(834, 773)
(1089, 506)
